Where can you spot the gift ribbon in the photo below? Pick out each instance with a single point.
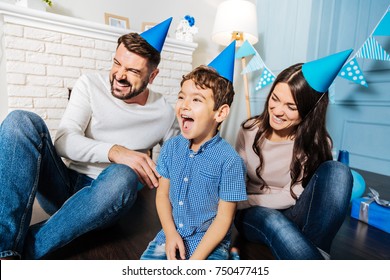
(363, 211)
(375, 196)
(364, 205)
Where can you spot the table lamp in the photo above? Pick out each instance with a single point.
(236, 20)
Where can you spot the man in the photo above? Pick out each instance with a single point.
(108, 127)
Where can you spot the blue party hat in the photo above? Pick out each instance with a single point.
(321, 73)
(156, 35)
(224, 62)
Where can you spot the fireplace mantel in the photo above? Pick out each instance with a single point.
(59, 23)
(42, 55)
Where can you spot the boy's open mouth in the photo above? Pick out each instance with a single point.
(187, 122)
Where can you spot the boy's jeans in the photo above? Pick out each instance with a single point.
(155, 251)
(29, 167)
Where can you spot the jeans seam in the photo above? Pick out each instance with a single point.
(30, 200)
(108, 215)
(45, 136)
(265, 237)
(311, 201)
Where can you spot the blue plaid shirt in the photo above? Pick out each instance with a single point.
(198, 180)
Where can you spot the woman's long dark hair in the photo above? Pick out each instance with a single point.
(312, 143)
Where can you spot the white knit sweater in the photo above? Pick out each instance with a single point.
(94, 121)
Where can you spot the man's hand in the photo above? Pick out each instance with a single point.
(141, 163)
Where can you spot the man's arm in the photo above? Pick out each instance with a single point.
(72, 143)
(164, 209)
(141, 163)
(217, 230)
(70, 140)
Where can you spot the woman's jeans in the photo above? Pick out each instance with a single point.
(29, 167)
(312, 223)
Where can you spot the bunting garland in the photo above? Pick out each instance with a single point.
(246, 49)
(371, 49)
(383, 28)
(266, 78)
(352, 72)
(256, 63)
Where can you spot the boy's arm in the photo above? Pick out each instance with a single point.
(164, 209)
(217, 230)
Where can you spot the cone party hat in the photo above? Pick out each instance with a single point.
(156, 35)
(321, 73)
(224, 62)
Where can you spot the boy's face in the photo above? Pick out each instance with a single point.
(194, 111)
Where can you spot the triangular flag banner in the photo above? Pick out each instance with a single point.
(383, 28)
(246, 49)
(267, 77)
(373, 50)
(256, 63)
(351, 71)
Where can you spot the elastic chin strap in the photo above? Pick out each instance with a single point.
(312, 109)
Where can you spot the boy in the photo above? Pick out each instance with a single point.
(202, 175)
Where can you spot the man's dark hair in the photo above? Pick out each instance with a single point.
(134, 43)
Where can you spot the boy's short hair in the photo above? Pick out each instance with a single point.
(207, 77)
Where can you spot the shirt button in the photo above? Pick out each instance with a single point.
(181, 225)
(185, 179)
(191, 155)
(181, 202)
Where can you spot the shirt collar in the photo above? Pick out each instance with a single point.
(205, 145)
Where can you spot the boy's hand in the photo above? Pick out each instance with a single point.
(174, 247)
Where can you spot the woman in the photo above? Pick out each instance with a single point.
(297, 196)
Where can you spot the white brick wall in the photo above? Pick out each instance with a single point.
(42, 64)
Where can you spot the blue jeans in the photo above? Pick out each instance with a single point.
(156, 251)
(297, 232)
(30, 167)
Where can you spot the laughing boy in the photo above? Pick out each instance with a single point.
(202, 175)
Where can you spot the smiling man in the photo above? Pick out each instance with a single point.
(109, 125)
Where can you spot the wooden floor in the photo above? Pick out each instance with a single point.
(130, 236)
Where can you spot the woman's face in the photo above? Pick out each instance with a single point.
(283, 112)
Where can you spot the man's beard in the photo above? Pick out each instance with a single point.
(132, 93)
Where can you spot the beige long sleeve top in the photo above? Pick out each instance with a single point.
(276, 172)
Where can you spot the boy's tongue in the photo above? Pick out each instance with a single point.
(187, 123)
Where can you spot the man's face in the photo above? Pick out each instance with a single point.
(129, 75)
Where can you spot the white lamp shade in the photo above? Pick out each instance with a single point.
(235, 16)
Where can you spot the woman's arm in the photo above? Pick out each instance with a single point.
(274, 198)
(174, 241)
(217, 230)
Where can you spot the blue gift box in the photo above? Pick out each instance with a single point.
(367, 210)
